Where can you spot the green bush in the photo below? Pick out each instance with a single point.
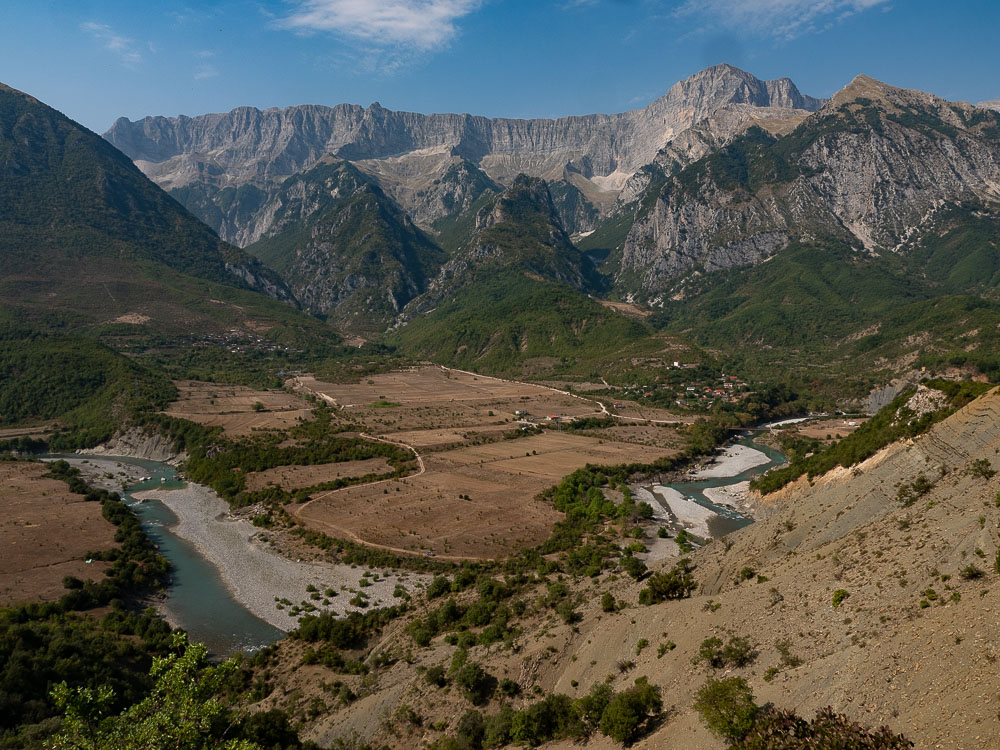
(476, 684)
(628, 712)
(677, 583)
(727, 707)
(634, 567)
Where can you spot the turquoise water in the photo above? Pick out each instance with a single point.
(728, 520)
(197, 599)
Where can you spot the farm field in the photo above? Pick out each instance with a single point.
(295, 477)
(820, 429)
(45, 533)
(477, 495)
(432, 397)
(231, 407)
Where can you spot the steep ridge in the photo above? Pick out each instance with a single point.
(85, 235)
(871, 168)
(515, 290)
(345, 248)
(205, 155)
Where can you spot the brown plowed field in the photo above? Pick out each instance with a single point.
(45, 533)
(231, 407)
(295, 477)
(439, 408)
(431, 398)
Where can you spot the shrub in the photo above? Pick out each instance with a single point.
(970, 573)
(981, 468)
(677, 583)
(471, 729)
(774, 729)
(628, 712)
(436, 676)
(727, 707)
(565, 610)
(438, 587)
(476, 684)
(593, 704)
(838, 597)
(554, 717)
(683, 540)
(738, 652)
(634, 567)
(608, 603)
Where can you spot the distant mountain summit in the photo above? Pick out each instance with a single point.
(204, 160)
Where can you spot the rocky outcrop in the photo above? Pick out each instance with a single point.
(136, 443)
(871, 168)
(201, 157)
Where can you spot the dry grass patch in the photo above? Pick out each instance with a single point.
(296, 477)
(45, 533)
(236, 409)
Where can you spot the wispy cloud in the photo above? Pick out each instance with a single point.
(785, 19)
(205, 71)
(114, 42)
(418, 24)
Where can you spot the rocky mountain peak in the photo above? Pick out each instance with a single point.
(724, 84)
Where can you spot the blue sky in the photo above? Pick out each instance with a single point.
(96, 60)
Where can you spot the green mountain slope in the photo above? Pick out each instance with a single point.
(516, 297)
(88, 242)
(346, 250)
(845, 321)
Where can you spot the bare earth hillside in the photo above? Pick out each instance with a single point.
(913, 643)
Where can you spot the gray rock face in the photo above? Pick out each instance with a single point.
(871, 167)
(197, 157)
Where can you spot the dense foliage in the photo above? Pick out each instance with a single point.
(623, 717)
(184, 710)
(87, 386)
(223, 463)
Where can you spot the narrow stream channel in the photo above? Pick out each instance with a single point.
(197, 599)
(728, 520)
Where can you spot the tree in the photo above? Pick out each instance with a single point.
(676, 583)
(476, 684)
(627, 713)
(634, 567)
(181, 712)
(727, 707)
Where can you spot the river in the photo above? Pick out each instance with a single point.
(686, 505)
(198, 600)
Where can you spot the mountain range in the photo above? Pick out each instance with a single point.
(731, 213)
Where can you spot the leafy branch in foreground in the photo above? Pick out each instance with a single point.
(182, 712)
